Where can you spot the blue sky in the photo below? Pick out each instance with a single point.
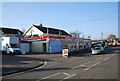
(90, 18)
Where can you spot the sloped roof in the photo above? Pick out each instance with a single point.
(10, 31)
(51, 30)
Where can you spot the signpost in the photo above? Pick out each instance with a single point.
(65, 53)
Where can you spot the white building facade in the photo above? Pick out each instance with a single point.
(50, 40)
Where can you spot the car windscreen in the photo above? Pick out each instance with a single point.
(97, 48)
(14, 46)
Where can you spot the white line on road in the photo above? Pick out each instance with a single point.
(70, 76)
(51, 75)
(77, 66)
(92, 66)
(113, 54)
(80, 65)
(67, 61)
(106, 54)
(98, 58)
(66, 74)
(106, 58)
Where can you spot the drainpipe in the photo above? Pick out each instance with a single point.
(31, 33)
(59, 33)
(47, 31)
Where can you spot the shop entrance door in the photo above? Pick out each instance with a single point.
(44, 47)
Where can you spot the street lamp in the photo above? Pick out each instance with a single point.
(102, 35)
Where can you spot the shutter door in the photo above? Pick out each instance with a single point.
(37, 47)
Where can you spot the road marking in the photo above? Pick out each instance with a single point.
(98, 58)
(92, 66)
(77, 66)
(69, 76)
(106, 54)
(87, 63)
(66, 74)
(51, 75)
(80, 65)
(66, 61)
(113, 54)
(106, 58)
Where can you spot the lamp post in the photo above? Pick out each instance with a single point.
(102, 35)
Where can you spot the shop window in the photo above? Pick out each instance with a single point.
(73, 46)
(35, 35)
(65, 46)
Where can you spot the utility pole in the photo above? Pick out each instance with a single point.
(102, 35)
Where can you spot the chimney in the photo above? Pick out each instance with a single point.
(40, 25)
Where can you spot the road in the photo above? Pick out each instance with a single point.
(102, 66)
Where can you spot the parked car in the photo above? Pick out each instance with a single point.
(97, 49)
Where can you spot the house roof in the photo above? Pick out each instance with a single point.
(10, 31)
(51, 30)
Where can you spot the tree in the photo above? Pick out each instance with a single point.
(111, 37)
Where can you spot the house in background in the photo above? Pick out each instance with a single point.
(10, 32)
(39, 30)
(9, 39)
(51, 40)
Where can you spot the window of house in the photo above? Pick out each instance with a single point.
(35, 35)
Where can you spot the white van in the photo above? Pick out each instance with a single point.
(12, 48)
(10, 45)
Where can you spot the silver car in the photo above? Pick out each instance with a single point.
(97, 50)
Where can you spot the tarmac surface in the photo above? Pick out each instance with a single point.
(101, 66)
(18, 63)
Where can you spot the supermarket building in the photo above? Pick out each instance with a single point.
(41, 39)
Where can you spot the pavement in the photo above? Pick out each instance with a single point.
(18, 63)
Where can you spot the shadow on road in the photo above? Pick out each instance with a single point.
(49, 69)
(13, 63)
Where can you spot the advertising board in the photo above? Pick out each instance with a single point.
(65, 52)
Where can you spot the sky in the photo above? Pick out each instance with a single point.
(89, 18)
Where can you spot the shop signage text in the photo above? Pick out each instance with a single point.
(51, 37)
(33, 38)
